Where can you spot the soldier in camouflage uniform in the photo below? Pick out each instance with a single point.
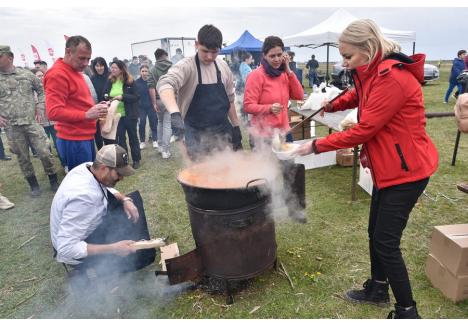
(17, 115)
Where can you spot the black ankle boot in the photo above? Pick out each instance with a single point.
(404, 313)
(35, 190)
(373, 293)
(53, 180)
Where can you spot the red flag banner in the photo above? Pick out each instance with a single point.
(36, 55)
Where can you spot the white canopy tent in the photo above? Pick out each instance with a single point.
(327, 33)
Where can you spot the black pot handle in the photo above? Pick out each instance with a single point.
(258, 179)
(240, 222)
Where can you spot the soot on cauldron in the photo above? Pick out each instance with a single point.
(227, 198)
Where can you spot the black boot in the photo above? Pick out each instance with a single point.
(373, 293)
(35, 190)
(53, 180)
(404, 313)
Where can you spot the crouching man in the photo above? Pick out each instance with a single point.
(92, 225)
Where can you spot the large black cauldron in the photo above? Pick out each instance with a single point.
(234, 244)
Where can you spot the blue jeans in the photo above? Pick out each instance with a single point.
(153, 122)
(313, 78)
(389, 213)
(164, 127)
(2, 149)
(450, 89)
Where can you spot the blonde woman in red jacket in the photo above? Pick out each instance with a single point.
(268, 90)
(395, 146)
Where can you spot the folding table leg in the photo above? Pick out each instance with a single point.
(455, 150)
(354, 181)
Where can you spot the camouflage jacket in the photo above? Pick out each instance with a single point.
(17, 100)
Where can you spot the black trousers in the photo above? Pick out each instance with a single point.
(115, 227)
(294, 185)
(129, 126)
(389, 213)
(98, 137)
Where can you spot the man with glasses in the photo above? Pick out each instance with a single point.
(92, 225)
(204, 109)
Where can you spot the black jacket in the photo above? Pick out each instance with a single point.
(130, 99)
(99, 82)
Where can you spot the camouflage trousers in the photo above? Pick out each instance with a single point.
(19, 139)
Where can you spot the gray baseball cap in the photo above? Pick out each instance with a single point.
(114, 156)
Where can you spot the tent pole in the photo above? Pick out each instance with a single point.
(414, 47)
(328, 55)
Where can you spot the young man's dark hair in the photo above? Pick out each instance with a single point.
(159, 53)
(459, 53)
(210, 37)
(272, 42)
(74, 41)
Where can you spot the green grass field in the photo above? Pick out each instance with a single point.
(324, 257)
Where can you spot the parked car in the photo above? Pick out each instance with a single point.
(342, 78)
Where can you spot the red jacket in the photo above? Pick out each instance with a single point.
(67, 100)
(261, 91)
(391, 123)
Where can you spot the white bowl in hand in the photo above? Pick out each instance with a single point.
(287, 152)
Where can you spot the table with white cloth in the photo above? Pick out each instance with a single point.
(332, 120)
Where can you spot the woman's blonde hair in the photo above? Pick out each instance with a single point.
(366, 36)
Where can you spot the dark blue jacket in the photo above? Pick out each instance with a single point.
(457, 69)
(143, 92)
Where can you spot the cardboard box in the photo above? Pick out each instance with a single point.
(344, 157)
(365, 179)
(313, 161)
(168, 252)
(453, 287)
(449, 245)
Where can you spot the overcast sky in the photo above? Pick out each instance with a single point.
(440, 32)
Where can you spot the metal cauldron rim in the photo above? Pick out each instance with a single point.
(247, 186)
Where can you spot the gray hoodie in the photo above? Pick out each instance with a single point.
(160, 68)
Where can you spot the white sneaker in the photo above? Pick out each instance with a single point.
(166, 155)
(160, 150)
(5, 203)
(142, 145)
(155, 144)
(173, 138)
